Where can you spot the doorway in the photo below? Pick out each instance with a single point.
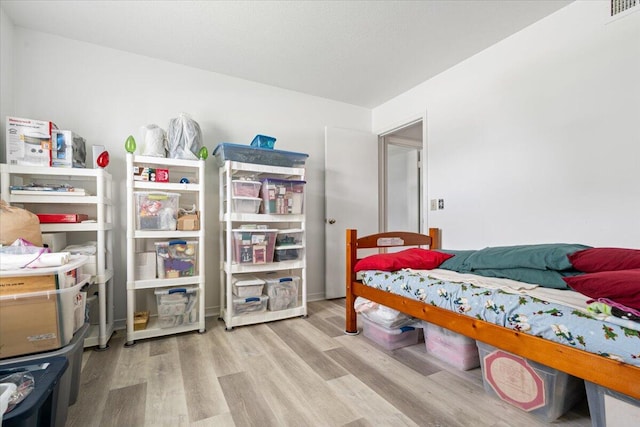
(401, 175)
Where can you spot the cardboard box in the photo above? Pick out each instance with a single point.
(28, 142)
(34, 314)
(189, 222)
(68, 149)
(140, 320)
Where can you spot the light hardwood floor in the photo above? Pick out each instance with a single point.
(295, 372)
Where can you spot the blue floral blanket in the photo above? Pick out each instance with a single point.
(510, 305)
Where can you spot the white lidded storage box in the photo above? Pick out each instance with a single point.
(540, 390)
(176, 306)
(390, 339)
(457, 350)
(247, 286)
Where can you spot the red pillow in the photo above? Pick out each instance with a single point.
(417, 258)
(622, 286)
(593, 260)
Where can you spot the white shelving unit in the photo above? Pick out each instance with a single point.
(230, 220)
(98, 206)
(140, 292)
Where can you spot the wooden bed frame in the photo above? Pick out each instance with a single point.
(615, 375)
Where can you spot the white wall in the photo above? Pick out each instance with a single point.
(105, 95)
(536, 139)
(6, 73)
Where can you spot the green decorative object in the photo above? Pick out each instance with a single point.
(203, 153)
(130, 144)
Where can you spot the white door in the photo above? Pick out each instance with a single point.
(351, 197)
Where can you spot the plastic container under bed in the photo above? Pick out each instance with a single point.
(609, 408)
(540, 390)
(390, 339)
(457, 350)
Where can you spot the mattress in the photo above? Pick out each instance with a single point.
(556, 315)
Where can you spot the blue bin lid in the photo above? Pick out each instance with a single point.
(222, 146)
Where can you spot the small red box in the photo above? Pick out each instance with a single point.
(61, 218)
(162, 175)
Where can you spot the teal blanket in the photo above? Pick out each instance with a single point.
(542, 264)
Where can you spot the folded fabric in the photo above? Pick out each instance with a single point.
(622, 286)
(458, 260)
(550, 256)
(545, 278)
(593, 260)
(542, 264)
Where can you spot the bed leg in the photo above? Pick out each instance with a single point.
(351, 323)
(351, 319)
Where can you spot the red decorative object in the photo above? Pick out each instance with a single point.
(103, 159)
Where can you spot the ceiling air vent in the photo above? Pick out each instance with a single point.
(624, 6)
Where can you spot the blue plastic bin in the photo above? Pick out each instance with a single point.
(257, 155)
(39, 408)
(263, 141)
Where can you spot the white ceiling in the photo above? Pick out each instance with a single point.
(359, 52)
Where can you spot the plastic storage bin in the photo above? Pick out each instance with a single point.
(282, 291)
(246, 305)
(281, 196)
(39, 408)
(286, 254)
(176, 306)
(609, 408)
(543, 391)
(390, 339)
(245, 188)
(69, 384)
(457, 350)
(50, 325)
(253, 246)
(246, 204)
(257, 155)
(263, 141)
(177, 258)
(288, 245)
(156, 211)
(247, 286)
(289, 237)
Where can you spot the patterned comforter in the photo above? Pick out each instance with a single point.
(517, 309)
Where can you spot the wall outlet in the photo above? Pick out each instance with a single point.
(434, 204)
(440, 203)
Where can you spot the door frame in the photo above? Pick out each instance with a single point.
(384, 132)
